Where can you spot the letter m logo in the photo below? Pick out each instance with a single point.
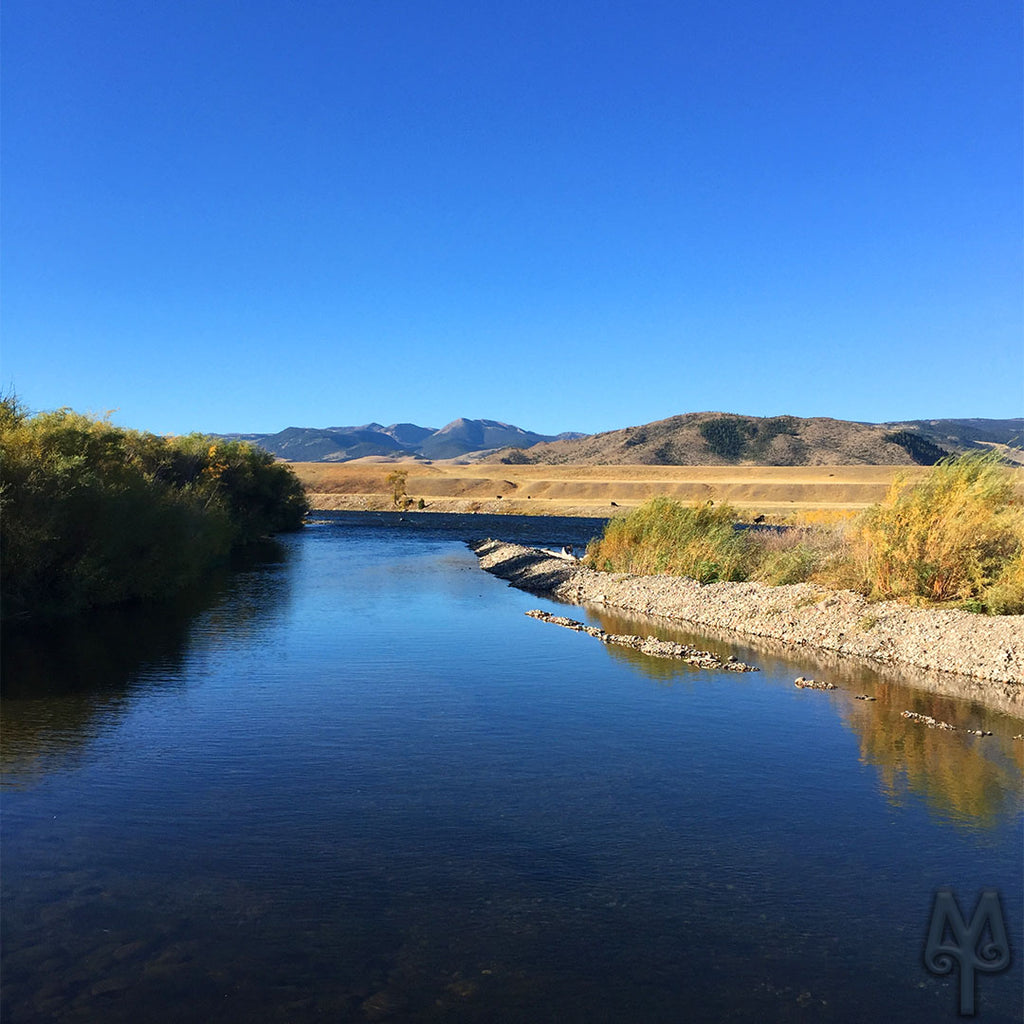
(978, 945)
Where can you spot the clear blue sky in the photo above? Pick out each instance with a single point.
(241, 215)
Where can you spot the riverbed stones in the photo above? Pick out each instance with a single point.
(383, 1005)
(649, 645)
(812, 684)
(933, 723)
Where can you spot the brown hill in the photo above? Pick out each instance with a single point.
(722, 439)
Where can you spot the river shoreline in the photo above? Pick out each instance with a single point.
(801, 615)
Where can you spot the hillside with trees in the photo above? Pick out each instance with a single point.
(721, 439)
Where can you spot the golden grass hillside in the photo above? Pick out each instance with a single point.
(775, 491)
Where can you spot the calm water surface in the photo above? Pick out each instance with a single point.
(356, 783)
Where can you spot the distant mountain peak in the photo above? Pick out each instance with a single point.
(342, 444)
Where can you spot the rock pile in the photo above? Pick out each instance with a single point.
(812, 684)
(649, 645)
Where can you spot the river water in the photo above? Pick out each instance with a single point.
(354, 782)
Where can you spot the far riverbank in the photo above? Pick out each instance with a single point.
(989, 648)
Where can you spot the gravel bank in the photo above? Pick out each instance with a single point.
(982, 647)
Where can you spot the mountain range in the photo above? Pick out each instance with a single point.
(342, 444)
(692, 439)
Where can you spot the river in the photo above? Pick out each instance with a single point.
(352, 781)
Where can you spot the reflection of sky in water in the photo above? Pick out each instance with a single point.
(367, 782)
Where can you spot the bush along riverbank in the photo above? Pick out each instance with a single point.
(92, 514)
(955, 538)
(901, 583)
(801, 615)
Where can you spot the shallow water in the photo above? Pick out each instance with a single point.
(356, 782)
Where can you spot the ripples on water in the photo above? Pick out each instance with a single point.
(355, 782)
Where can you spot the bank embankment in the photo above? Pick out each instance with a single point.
(802, 615)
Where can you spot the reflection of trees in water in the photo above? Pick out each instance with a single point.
(662, 670)
(258, 585)
(969, 779)
(67, 680)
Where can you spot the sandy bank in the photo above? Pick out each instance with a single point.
(804, 615)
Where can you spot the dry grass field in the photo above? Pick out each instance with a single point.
(778, 492)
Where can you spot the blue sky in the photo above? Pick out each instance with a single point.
(245, 215)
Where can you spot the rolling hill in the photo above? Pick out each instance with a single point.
(721, 439)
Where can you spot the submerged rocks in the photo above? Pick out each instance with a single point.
(933, 723)
(812, 684)
(649, 645)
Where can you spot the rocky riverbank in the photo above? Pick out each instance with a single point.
(802, 615)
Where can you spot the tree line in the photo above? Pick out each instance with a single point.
(93, 514)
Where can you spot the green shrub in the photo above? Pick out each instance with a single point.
(793, 564)
(662, 536)
(260, 495)
(91, 514)
(1005, 596)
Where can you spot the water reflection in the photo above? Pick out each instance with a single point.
(662, 670)
(385, 794)
(65, 682)
(845, 671)
(969, 780)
